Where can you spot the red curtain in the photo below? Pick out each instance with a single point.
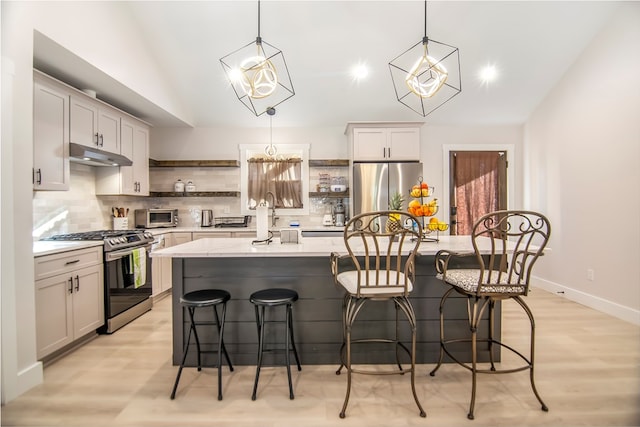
(476, 181)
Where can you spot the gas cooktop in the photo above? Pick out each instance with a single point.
(113, 239)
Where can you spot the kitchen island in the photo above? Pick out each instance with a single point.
(238, 266)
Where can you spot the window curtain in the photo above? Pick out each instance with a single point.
(476, 178)
(282, 177)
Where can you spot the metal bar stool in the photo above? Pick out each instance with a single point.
(272, 298)
(516, 239)
(199, 299)
(382, 247)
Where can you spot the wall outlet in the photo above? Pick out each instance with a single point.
(591, 275)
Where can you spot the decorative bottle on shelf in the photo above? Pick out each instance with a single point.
(178, 186)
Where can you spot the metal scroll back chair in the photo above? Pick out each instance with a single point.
(506, 246)
(382, 247)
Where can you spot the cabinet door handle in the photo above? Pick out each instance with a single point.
(77, 283)
(38, 176)
(72, 262)
(389, 152)
(101, 140)
(71, 284)
(97, 136)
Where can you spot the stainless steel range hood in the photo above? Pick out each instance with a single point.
(95, 157)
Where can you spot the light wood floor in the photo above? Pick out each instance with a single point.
(588, 372)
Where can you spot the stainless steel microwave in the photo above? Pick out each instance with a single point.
(156, 218)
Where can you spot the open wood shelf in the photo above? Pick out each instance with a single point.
(234, 163)
(328, 163)
(194, 194)
(193, 163)
(331, 194)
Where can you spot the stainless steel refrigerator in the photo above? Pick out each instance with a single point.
(374, 183)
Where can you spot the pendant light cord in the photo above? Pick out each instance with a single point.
(425, 39)
(259, 18)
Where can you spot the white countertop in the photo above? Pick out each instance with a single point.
(309, 246)
(48, 247)
(196, 229)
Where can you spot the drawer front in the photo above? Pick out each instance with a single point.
(64, 262)
(210, 235)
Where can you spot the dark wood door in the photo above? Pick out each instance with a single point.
(477, 185)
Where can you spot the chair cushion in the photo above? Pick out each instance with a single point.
(467, 280)
(349, 281)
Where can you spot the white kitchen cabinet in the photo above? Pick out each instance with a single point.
(210, 235)
(128, 180)
(50, 135)
(385, 142)
(94, 125)
(69, 298)
(161, 267)
(161, 271)
(181, 237)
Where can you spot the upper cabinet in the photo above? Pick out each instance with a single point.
(50, 135)
(128, 180)
(94, 125)
(379, 141)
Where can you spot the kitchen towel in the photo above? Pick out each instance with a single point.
(262, 222)
(139, 267)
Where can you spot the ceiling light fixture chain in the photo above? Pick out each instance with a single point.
(258, 71)
(425, 83)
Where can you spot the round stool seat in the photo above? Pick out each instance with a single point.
(205, 297)
(274, 296)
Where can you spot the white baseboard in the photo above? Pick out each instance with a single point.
(29, 378)
(612, 308)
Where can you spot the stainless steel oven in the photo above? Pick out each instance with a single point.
(125, 297)
(127, 284)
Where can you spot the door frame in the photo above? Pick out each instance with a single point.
(446, 153)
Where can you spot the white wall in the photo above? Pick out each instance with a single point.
(583, 150)
(222, 143)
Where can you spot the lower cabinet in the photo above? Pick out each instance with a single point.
(70, 300)
(210, 235)
(161, 279)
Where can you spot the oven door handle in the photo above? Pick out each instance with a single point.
(115, 255)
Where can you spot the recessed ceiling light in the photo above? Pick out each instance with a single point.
(359, 72)
(488, 74)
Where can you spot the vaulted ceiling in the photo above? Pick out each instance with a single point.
(531, 45)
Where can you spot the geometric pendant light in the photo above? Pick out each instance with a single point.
(258, 74)
(426, 75)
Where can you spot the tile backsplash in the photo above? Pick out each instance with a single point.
(80, 209)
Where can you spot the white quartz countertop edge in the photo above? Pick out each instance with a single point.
(46, 247)
(196, 229)
(311, 246)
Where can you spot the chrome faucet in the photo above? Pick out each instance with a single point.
(273, 208)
